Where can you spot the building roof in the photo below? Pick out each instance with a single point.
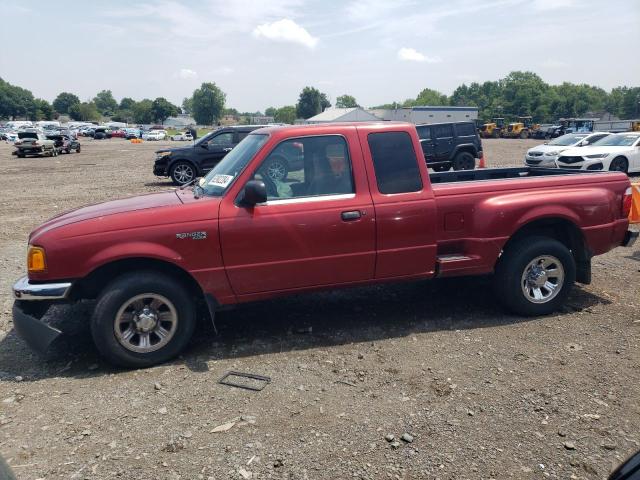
(336, 114)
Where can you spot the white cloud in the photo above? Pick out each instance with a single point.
(186, 73)
(285, 30)
(412, 55)
(552, 4)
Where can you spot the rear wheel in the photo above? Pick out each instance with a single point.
(142, 319)
(182, 172)
(619, 164)
(495, 133)
(534, 276)
(464, 161)
(524, 134)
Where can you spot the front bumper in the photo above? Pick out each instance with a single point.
(160, 170)
(630, 238)
(543, 162)
(24, 290)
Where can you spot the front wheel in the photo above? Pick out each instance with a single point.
(142, 319)
(78, 149)
(182, 172)
(534, 276)
(619, 164)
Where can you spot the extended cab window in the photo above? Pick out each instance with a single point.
(395, 162)
(307, 167)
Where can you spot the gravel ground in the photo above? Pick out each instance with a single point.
(480, 393)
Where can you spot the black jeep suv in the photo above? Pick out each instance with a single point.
(183, 164)
(447, 145)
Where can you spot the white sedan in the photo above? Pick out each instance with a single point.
(618, 152)
(547, 154)
(154, 135)
(181, 137)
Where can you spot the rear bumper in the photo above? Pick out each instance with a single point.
(630, 238)
(37, 334)
(24, 290)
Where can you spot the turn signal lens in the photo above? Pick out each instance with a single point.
(627, 200)
(36, 260)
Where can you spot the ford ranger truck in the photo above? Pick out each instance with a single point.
(360, 208)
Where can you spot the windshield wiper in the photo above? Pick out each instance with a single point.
(185, 185)
(197, 187)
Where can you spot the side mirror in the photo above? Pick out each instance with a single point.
(204, 145)
(255, 192)
(584, 143)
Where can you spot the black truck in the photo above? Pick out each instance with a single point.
(447, 145)
(183, 164)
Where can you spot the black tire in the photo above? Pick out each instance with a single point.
(180, 172)
(464, 161)
(495, 133)
(441, 168)
(117, 295)
(78, 149)
(619, 164)
(21, 155)
(509, 282)
(524, 134)
(278, 168)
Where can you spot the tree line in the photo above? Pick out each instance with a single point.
(519, 93)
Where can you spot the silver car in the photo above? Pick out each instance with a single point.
(546, 155)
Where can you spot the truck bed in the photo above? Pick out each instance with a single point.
(501, 173)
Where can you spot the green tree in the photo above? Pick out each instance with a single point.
(143, 111)
(84, 112)
(64, 101)
(208, 103)
(346, 101)
(430, 97)
(187, 105)
(15, 101)
(163, 109)
(105, 103)
(285, 114)
(126, 104)
(42, 110)
(311, 102)
(270, 112)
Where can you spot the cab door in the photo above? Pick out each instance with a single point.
(443, 135)
(317, 227)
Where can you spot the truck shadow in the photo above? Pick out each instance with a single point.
(317, 320)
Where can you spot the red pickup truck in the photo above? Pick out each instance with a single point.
(359, 207)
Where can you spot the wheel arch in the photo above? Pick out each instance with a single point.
(566, 232)
(465, 147)
(92, 284)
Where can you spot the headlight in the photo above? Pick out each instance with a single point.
(36, 259)
(551, 154)
(597, 155)
(163, 154)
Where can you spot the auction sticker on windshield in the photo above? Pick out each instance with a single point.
(221, 180)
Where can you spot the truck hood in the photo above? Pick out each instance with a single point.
(141, 202)
(584, 151)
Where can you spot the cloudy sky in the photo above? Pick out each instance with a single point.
(262, 52)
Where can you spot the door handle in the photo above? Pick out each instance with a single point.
(351, 215)
(227, 149)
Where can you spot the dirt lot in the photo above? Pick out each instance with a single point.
(482, 393)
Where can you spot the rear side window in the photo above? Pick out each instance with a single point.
(443, 131)
(395, 162)
(465, 129)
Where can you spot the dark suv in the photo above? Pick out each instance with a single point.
(447, 145)
(183, 164)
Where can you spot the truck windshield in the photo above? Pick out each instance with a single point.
(219, 179)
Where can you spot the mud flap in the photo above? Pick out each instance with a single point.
(37, 334)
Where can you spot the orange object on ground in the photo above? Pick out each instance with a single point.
(634, 214)
(482, 164)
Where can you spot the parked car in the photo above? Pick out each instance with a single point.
(34, 143)
(547, 154)
(184, 164)
(65, 143)
(117, 133)
(100, 133)
(181, 137)
(132, 133)
(361, 209)
(154, 135)
(617, 152)
(11, 136)
(447, 145)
